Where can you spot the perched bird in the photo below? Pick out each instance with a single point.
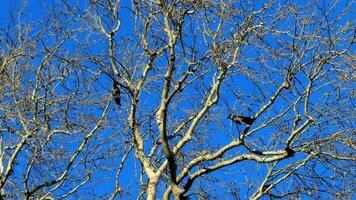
(241, 119)
(116, 93)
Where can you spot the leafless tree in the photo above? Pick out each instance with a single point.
(183, 99)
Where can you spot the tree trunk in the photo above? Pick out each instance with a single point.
(151, 189)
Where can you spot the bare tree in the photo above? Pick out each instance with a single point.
(183, 99)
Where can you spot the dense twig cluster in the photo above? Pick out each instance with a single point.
(175, 70)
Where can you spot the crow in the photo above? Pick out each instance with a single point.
(241, 119)
(116, 93)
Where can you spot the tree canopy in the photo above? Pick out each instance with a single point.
(177, 99)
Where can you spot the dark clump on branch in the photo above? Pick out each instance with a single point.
(290, 152)
(116, 94)
(241, 119)
(265, 187)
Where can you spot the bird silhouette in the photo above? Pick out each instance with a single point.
(241, 119)
(116, 93)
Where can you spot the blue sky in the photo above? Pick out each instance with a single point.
(36, 10)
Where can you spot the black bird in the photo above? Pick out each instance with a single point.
(241, 119)
(116, 93)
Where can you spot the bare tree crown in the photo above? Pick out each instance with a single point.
(183, 99)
